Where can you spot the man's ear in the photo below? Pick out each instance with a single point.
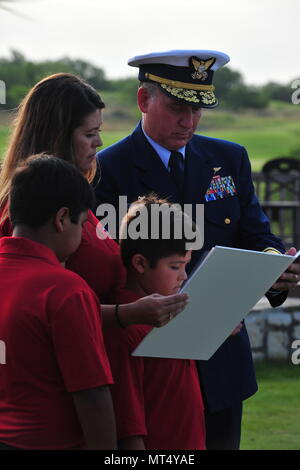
(61, 218)
(139, 263)
(143, 98)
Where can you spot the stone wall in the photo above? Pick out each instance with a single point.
(273, 330)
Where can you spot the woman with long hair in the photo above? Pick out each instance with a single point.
(62, 115)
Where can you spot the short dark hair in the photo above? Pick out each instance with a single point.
(43, 185)
(161, 246)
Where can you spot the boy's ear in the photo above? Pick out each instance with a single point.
(61, 217)
(139, 263)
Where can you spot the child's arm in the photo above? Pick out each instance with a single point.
(152, 310)
(132, 443)
(96, 416)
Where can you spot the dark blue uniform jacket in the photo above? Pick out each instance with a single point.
(131, 167)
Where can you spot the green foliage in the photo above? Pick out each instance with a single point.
(121, 102)
(125, 89)
(15, 94)
(234, 94)
(242, 97)
(20, 75)
(226, 79)
(275, 91)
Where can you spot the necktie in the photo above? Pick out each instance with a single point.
(176, 165)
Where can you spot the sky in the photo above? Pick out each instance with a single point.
(261, 36)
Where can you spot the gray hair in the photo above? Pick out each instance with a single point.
(151, 88)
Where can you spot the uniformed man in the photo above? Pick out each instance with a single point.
(165, 156)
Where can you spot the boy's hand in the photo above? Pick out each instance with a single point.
(157, 310)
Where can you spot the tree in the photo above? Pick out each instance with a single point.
(126, 89)
(246, 97)
(274, 91)
(20, 75)
(235, 94)
(226, 79)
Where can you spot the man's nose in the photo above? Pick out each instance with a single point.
(186, 119)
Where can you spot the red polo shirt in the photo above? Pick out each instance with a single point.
(50, 323)
(159, 399)
(97, 260)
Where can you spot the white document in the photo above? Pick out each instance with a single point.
(222, 290)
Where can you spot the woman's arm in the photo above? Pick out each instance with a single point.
(155, 310)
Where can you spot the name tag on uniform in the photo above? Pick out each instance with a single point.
(220, 187)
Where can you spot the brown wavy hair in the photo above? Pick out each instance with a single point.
(45, 122)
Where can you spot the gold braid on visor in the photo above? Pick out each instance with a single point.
(173, 83)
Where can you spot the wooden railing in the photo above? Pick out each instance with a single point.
(281, 206)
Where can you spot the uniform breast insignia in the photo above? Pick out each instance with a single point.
(201, 66)
(220, 187)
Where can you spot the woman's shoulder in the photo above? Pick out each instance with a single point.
(94, 233)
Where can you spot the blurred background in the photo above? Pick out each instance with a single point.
(95, 38)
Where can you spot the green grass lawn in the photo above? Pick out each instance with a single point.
(272, 416)
(265, 135)
(263, 143)
(111, 137)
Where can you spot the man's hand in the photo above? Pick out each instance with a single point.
(290, 278)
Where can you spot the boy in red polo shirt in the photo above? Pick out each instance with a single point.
(158, 402)
(54, 390)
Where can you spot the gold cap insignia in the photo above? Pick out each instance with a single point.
(200, 67)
